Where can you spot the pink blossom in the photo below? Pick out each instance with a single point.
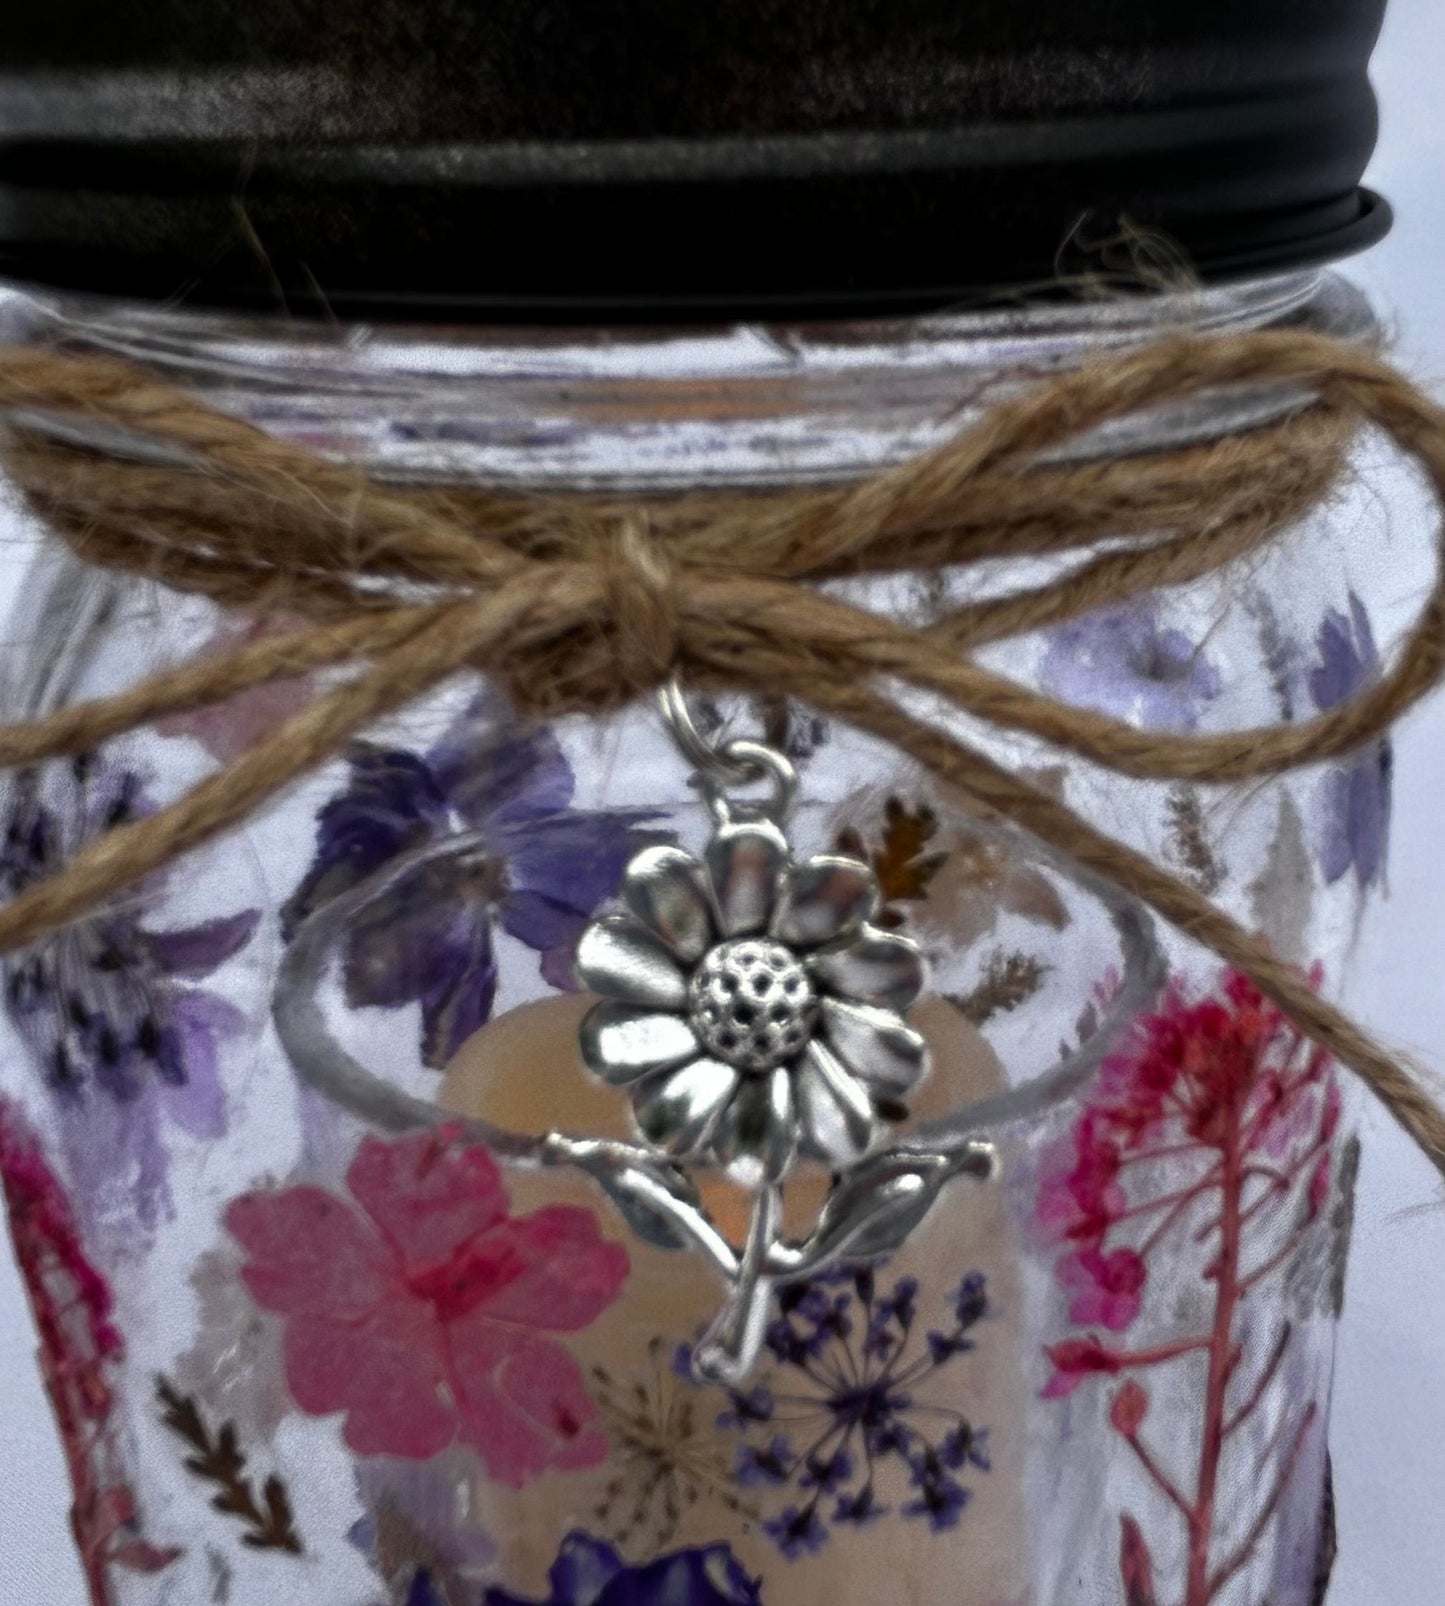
(1105, 1289)
(1076, 1359)
(1128, 1408)
(419, 1306)
(1319, 1188)
(80, 1345)
(1080, 1197)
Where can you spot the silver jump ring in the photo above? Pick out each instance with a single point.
(707, 758)
(756, 762)
(728, 764)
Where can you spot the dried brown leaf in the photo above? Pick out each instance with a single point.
(219, 1460)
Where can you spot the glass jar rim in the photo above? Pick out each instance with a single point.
(676, 407)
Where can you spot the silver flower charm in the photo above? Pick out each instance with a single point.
(754, 1013)
(750, 1008)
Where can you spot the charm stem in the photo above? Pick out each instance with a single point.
(729, 1348)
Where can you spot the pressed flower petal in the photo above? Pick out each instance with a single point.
(620, 1043)
(198, 950)
(757, 1135)
(677, 1110)
(427, 1194)
(560, 1272)
(309, 1252)
(620, 958)
(583, 1569)
(823, 899)
(384, 1368)
(523, 1402)
(667, 890)
(745, 863)
(839, 1125)
(875, 1045)
(391, 802)
(876, 968)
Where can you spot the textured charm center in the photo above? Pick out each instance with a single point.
(751, 1003)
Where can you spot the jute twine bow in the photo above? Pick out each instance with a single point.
(583, 603)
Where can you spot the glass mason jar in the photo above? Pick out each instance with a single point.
(309, 1341)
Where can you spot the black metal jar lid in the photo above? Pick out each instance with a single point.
(660, 159)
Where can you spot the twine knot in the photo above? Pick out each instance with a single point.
(580, 605)
(640, 591)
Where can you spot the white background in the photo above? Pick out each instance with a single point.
(1388, 1430)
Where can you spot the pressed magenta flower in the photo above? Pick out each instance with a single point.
(1105, 1289)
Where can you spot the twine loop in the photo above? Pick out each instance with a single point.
(581, 604)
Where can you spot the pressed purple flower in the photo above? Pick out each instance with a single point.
(859, 1508)
(745, 1406)
(944, 1346)
(414, 1509)
(1120, 661)
(107, 1007)
(791, 1343)
(884, 1430)
(965, 1446)
(424, 1590)
(970, 1304)
(859, 1409)
(1354, 796)
(827, 1472)
(797, 1532)
(104, 1002)
(767, 1463)
(891, 1318)
(588, 1572)
(540, 874)
(814, 1304)
(940, 1499)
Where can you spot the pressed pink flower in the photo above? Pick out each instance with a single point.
(1105, 1289)
(420, 1306)
(1128, 1408)
(79, 1347)
(1075, 1360)
(1079, 1196)
(229, 729)
(1216, 1109)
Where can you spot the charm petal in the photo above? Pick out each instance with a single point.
(620, 958)
(667, 890)
(839, 1125)
(875, 1045)
(620, 1043)
(823, 899)
(877, 968)
(677, 1110)
(757, 1137)
(745, 863)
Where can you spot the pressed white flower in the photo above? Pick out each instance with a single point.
(749, 1006)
